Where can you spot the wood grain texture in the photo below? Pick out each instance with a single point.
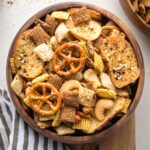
(134, 17)
(136, 89)
(122, 139)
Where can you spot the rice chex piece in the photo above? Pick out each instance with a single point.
(39, 36)
(17, 84)
(70, 98)
(82, 15)
(68, 114)
(64, 130)
(44, 52)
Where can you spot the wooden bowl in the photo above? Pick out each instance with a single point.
(134, 17)
(137, 88)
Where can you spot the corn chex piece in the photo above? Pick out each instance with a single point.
(64, 130)
(60, 15)
(12, 66)
(61, 32)
(56, 122)
(86, 97)
(84, 124)
(44, 52)
(68, 114)
(39, 36)
(93, 126)
(17, 84)
(70, 98)
(55, 80)
(41, 124)
(106, 93)
(98, 62)
(106, 81)
(126, 105)
(41, 78)
(46, 118)
(83, 45)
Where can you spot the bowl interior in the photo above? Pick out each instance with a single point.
(136, 88)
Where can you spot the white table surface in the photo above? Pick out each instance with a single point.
(13, 16)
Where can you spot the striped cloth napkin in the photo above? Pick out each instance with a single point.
(15, 134)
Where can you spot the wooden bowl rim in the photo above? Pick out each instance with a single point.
(118, 124)
(138, 17)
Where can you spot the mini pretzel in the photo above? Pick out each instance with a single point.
(69, 63)
(37, 100)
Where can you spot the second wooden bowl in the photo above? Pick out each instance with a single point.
(134, 17)
(136, 89)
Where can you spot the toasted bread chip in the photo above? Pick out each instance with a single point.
(84, 124)
(26, 62)
(148, 16)
(64, 130)
(56, 122)
(146, 3)
(56, 80)
(70, 98)
(44, 52)
(52, 23)
(41, 78)
(38, 35)
(90, 31)
(60, 15)
(126, 105)
(86, 97)
(68, 114)
(94, 124)
(98, 62)
(80, 16)
(106, 81)
(12, 66)
(106, 93)
(111, 113)
(122, 63)
(17, 84)
(61, 32)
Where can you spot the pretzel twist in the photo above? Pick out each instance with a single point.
(75, 63)
(37, 101)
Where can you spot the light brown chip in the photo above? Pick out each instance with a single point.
(56, 80)
(68, 114)
(52, 23)
(121, 59)
(39, 36)
(78, 18)
(70, 98)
